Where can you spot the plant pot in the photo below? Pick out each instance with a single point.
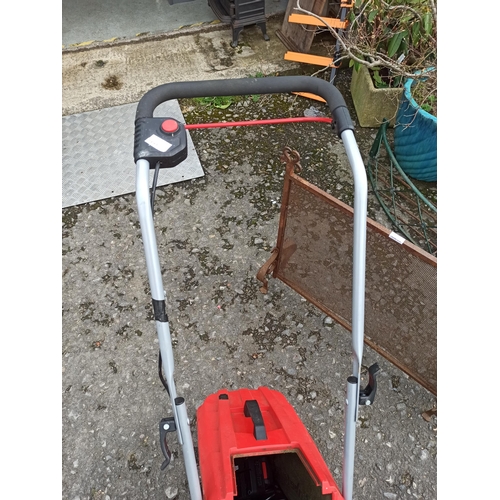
(373, 105)
(415, 138)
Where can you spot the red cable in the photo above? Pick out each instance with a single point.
(272, 121)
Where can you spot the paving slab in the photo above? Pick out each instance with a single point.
(121, 73)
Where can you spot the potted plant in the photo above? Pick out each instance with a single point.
(392, 47)
(415, 136)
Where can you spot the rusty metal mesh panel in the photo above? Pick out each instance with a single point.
(401, 280)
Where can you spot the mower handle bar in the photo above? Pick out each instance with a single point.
(246, 86)
(345, 130)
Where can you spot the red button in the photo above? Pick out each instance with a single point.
(170, 126)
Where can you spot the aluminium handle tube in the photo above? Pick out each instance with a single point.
(162, 327)
(351, 405)
(358, 306)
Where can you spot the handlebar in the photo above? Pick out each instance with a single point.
(174, 151)
(244, 86)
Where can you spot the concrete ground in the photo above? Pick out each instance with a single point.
(189, 54)
(214, 233)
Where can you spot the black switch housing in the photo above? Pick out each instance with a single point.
(167, 144)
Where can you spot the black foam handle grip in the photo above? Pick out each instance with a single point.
(252, 410)
(247, 86)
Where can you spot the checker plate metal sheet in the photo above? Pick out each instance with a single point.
(98, 160)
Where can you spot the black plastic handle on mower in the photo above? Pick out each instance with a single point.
(247, 86)
(252, 410)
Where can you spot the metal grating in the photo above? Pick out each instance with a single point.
(97, 154)
(315, 259)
